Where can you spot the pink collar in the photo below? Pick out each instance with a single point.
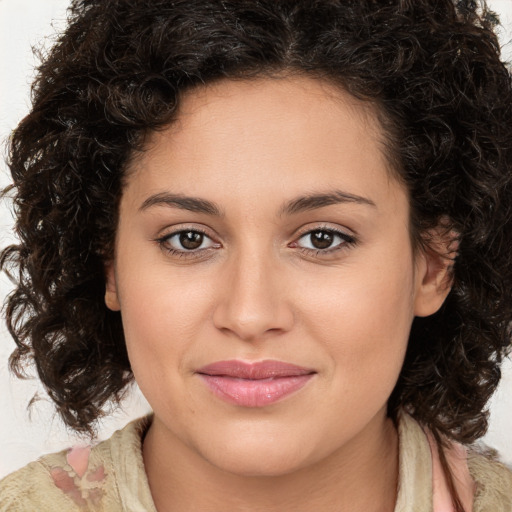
(456, 456)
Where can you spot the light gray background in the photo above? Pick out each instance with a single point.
(23, 435)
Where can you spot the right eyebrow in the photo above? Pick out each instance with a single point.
(322, 199)
(192, 204)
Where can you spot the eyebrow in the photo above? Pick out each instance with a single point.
(319, 200)
(300, 204)
(192, 204)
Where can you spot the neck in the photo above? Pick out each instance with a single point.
(361, 476)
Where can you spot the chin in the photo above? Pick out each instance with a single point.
(260, 459)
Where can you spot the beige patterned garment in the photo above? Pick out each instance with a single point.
(110, 477)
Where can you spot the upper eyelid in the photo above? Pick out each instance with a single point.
(304, 230)
(345, 238)
(170, 231)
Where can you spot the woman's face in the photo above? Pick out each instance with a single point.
(265, 226)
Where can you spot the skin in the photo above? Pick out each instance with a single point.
(257, 289)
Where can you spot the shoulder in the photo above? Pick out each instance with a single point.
(32, 488)
(493, 481)
(80, 479)
(483, 483)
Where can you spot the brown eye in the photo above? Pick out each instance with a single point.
(325, 240)
(321, 239)
(191, 240)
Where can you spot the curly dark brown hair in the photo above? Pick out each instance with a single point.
(430, 68)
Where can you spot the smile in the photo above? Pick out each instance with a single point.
(254, 384)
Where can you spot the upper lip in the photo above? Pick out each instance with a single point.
(255, 371)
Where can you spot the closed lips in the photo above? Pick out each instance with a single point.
(254, 384)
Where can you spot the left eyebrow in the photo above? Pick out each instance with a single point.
(192, 204)
(319, 200)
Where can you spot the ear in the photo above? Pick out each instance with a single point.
(111, 297)
(434, 270)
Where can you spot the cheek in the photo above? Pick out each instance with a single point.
(363, 320)
(162, 315)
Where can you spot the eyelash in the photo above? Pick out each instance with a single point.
(346, 242)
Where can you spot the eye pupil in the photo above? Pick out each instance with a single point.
(321, 239)
(191, 239)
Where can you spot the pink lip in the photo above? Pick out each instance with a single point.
(254, 384)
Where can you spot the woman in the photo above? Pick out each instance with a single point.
(289, 222)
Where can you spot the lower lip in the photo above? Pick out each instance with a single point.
(252, 392)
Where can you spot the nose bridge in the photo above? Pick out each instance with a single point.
(253, 302)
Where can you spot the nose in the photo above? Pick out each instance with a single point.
(253, 302)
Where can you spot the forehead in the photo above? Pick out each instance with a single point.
(293, 133)
(273, 103)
